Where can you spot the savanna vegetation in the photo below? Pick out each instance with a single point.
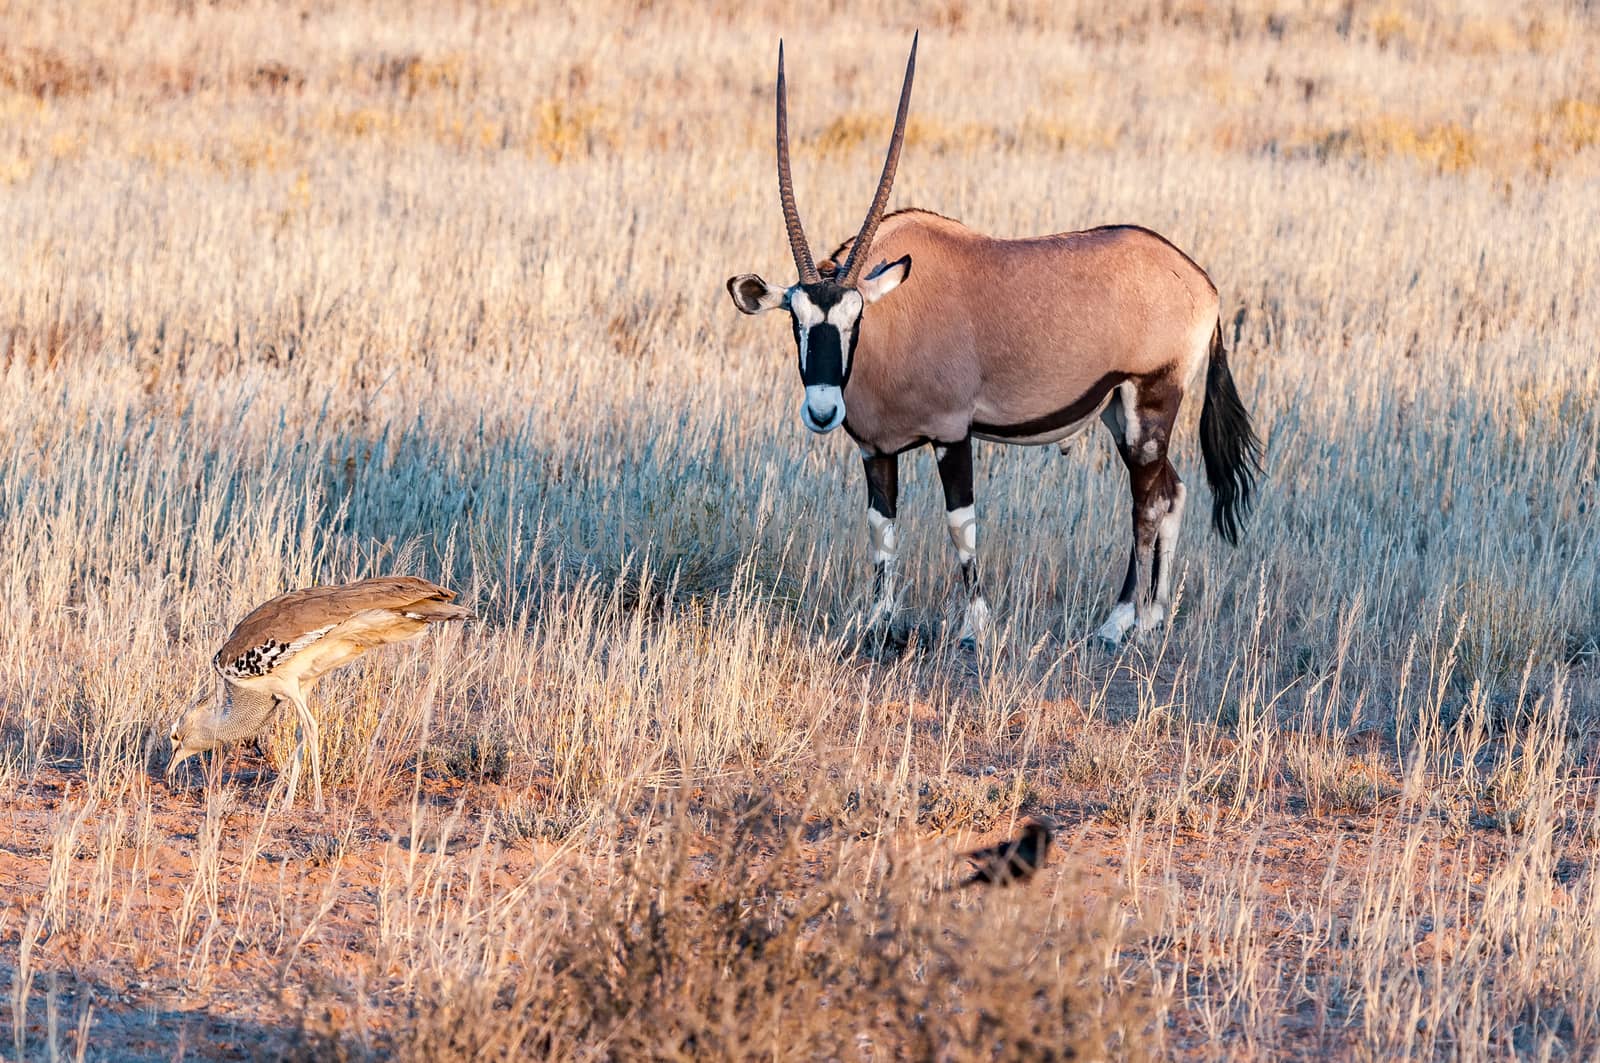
(300, 292)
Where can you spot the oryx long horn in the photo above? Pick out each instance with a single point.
(791, 213)
(869, 228)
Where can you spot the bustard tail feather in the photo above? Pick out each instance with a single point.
(434, 612)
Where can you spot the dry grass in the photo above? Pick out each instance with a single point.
(303, 293)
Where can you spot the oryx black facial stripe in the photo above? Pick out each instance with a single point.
(825, 319)
(821, 356)
(806, 316)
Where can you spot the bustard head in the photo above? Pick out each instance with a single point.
(826, 308)
(228, 714)
(195, 730)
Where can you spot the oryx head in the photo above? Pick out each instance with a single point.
(826, 308)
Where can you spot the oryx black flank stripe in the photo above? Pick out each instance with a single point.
(920, 441)
(1077, 410)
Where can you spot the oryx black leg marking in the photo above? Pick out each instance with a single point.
(955, 474)
(1140, 419)
(883, 496)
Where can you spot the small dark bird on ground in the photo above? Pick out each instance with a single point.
(1013, 860)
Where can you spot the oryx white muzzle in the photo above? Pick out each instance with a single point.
(823, 408)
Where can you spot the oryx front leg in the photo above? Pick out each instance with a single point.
(955, 473)
(883, 495)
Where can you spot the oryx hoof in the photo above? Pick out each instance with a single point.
(1151, 622)
(877, 636)
(976, 626)
(883, 643)
(1111, 645)
(1110, 634)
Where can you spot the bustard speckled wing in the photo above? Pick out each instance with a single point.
(312, 631)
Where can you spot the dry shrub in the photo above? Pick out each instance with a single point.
(529, 818)
(972, 802)
(1104, 756)
(1335, 782)
(1505, 624)
(1570, 126)
(1391, 27)
(273, 76)
(47, 72)
(478, 756)
(1443, 146)
(73, 332)
(567, 131)
(1033, 131)
(1508, 795)
(410, 75)
(740, 944)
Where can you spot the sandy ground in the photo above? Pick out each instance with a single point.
(136, 1003)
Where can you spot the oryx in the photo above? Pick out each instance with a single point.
(1017, 341)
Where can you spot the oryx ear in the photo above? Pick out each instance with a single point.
(752, 295)
(884, 279)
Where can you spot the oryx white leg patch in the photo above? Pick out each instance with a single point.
(1131, 428)
(1166, 544)
(885, 539)
(963, 527)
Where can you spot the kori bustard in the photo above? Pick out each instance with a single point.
(285, 645)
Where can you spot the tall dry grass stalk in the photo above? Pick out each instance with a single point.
(296, 295)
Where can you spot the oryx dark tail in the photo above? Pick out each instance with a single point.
(1229, 444)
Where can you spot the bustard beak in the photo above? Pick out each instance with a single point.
(179, 755)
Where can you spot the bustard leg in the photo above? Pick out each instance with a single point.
(294, 765)
(311, 735)
(1141, 422)
(883, 496)
(955, 474)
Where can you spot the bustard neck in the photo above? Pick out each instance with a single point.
(246, 715)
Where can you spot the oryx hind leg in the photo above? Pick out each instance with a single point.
(955, 475)
(1140, 419)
